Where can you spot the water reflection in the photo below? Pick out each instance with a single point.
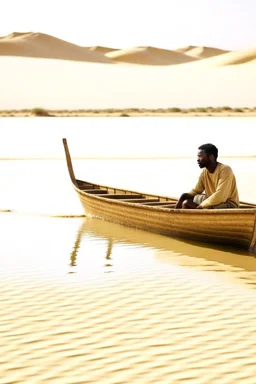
(233, 262)
(109, 250)
(77, 245)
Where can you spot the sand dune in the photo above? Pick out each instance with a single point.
(101, 49)
(40, 45)
(149, 56)
(39, 80)
(45, 46)
(201, 52)
(62, 84)
(233, 58)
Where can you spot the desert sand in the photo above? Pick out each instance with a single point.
(39, 70)
(233, 58)
(201, 52)
(44, 46)
(149, 56)
(104, 50)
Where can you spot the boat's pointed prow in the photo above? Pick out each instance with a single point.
(69, 162)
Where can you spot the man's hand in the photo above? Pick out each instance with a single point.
(199, 207)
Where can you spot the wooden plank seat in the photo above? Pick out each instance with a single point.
(84, 185)
(141, 200)
(121, 196)
(168, 206)
(159, 203)
(95, 191)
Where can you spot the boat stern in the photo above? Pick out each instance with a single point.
(253, 241)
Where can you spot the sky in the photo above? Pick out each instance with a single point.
(227, 24)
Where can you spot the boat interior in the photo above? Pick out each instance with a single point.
(135, 197)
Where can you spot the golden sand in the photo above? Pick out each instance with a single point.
(45, 46)
(201, 52)
(101, 49)
(150, 56)
(246, 56)
(47, 72)
(72, 85)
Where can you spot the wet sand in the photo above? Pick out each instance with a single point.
(85, 301)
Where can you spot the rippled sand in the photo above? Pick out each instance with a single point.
(85, 301)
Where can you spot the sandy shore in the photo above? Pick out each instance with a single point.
(128, 113)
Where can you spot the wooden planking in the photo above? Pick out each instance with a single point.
(169, 206)
(141, 200)
(121, 196)
(253, 240)
(159, 203)
(85, 185)
(246, 203)
(225, 228)
(95, 191)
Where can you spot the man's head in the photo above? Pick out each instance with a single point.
(207, 155)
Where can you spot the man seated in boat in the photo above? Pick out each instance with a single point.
(216, 180)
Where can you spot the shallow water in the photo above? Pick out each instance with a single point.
(52, 248)
(96, 302)
(126, 137)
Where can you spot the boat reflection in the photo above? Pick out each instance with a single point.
(238, 262)
(108, 254)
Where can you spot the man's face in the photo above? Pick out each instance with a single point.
(202, 159)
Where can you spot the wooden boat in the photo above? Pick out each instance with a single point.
(236, 227)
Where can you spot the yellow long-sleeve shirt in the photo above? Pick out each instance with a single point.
(219, 186)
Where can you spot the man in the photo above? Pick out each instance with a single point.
(216, 180)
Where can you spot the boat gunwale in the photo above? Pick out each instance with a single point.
(252, 247)
(173, 210)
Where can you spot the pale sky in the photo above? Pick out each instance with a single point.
(224, 24)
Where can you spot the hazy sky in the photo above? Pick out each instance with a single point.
(124, 23)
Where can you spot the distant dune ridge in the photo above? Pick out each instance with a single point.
(40, 45)
(101, 49)
(201, 52)
(233, 58)
(45, 46)
(140, 77)
(149, 56)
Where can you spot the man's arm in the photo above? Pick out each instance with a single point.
(198, 189)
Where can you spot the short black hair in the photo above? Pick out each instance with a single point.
(209, 149)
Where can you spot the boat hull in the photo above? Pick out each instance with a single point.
(236, 227)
